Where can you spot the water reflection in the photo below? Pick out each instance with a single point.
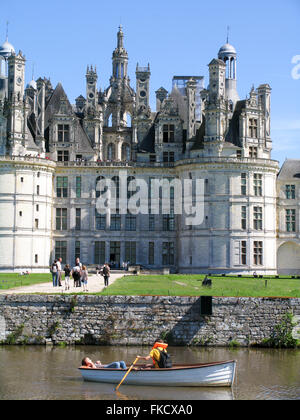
(51, 373)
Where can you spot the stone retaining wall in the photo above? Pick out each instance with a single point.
(139, 320)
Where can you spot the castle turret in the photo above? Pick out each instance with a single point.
(227, 53)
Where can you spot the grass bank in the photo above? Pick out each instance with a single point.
(191, 285)
(12, 280)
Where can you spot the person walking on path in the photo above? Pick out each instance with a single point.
(54, 272)
(84, 278)
(67, 277)
(59, 261)
(106, 274)
(76, 274)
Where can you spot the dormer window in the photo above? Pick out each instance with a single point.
(63, 156)
(168, 133)
(63, 133)
(253, 152)
(253, 128)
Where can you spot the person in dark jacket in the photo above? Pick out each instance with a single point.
(67, 271)
(106, 274)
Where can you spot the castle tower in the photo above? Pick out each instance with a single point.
(92, 121)
(215, 112)
(264, 98)
(17, 112)
(142, 87)
(191, 87)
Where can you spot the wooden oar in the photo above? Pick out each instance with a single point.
(129, 370)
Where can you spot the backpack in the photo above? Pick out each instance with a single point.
(54, 268)
(165, 360)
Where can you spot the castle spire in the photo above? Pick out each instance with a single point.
(120, 57)
(120, 38)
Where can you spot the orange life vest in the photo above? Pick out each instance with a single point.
(161, 345)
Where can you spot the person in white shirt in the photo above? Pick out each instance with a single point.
(59, 261)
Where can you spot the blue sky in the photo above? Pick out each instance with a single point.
(176, 37)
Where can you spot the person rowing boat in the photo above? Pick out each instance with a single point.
(161, 359)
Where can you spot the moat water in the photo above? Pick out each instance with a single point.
(50, 373)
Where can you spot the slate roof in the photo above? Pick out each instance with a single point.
(233, 134)
(290, 169)
(148, 143)
(53, 107)
(199, 137)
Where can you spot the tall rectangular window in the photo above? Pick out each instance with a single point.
(100, 221)
(78, 187)
(62, 186)
(130, 252)
(61, 251)
(115, 221)
(168, 133)
(77, 249)
(257, 218)
(244, 217)
(99, 252)
(169, 221)
(240, 253)
(151, 222)
(258, 253)
(168, 253)
(63, 133)
(78, 219)
(115, 254)
(61, 219)
(257, 185)
(244, 252)
(243, 184)
(151, 253)
(290, 219)
(290, 192)
(253, 128)
(130, 222)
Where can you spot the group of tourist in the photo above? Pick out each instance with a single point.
(79, 274)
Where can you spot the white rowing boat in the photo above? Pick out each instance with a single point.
(205, 374)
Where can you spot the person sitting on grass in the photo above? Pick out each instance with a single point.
(87, 362)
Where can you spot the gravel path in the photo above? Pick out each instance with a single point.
(95, 285)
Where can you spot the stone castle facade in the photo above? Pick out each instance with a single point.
(53, 155)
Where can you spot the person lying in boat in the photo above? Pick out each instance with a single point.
(160, 357)
(87, 362)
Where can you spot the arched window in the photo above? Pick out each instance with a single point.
(109, 121)
(128, 120)
(126, 153)
(111, 152)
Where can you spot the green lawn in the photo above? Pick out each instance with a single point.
(178, 285)
(10, 281)
(191, 285)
